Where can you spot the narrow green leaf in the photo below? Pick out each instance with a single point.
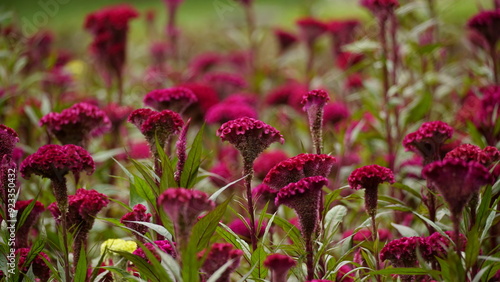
(81, 268)
(143, 170)
(258, 257)
(229, 236)
(144, 190)
(26, 212)
(472, 247)
(333, 219)
(157, 228)
(142, 265)
(405, 231)
(190, 172)
(291, 230)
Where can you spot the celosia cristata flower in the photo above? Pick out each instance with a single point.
(380, 8)
(313, 103)
(265, 194)
(38, 50)
(437, 246)
(304, 197)
(298, 167)
(176, 99)
(285, 40)
(486, 23)
(224, 112)
(110, 27)
(117, 245)
(288, 94)
(220, 254)
(77, 124)
(334, 113)
(206, 95)
(266, 161)
(342, 32)
(428, 139)
(139, 213)
(117, 114)
(23, 231)
(457, 180)
(310, 29)
(279, 265)
(8, 140)
(346, 60)
(163, 245)
(402, 252)
(38, 265)
(225, 84)
(249, 136)
(204, 62)
(183, 206)
(469, 152)
(485, 115)
(370, 177)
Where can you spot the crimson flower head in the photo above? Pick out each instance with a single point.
(163, 245)
(205, 94)
(437, 245)
(37, 264)
(77, 124)
(224, 112)
(370, 177)
(265, 162)
(402, 252)
(117, 114)
(220, 254)
(469, 152)
(334, 113)
(241, 228)
(55, 161)
(428, 139)
(204, 62)
(304, 197)
(346, 60)
(139, 213)
(83, 207)
(24, 230)
(298, 167)
(109, 27)
(8, 140)
(314, 99)
(225, 83)
(176, 99)
(265, 194)
(484, 116)
(380, 8)
(153, 124)
(250, 136)
(342, 32)
(288, 94)
(486, 23)
(279, 265)
(310, 29)
(457, 180)
(285, 39)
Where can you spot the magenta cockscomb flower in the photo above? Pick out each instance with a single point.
(56, 81)
(183, 206)
(206, 95)
(380, 8)
(138, 213)
(204, 63)
(288, 94)
(38, 265)
(342, 32)
(354, 82)
(250, 136)
(266, 161)
(437, 246)
(77, 124)
(311, 29)
(365, 234)
(83, 207)
(242, 229)
(8, 140)
(486, 23)
(176, 99)
(428, 139)
(110, 27)
(163, 245)
(264, 194)
(285, 40)
(313, 103)
(279, 265)
(224, 83)
(220, 254)
(38, 50)
(334, 113)
(224, 112)
(469, 152)
(485, 116)
(304, 197)
(369, 178)
(117, 114)
(402, 252)
(346, 60)
(23, 231)
(456, 180)
(298, 167)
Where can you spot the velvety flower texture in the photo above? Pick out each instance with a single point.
(117, 114)
(183, 206)
(370, 177)
(457, 180)
(437, 246)
(176, 99)
(23, 231)
(206, 95)
(469, 152)
(249, 136)
(486, 23)
(279, 265)
(314, 99)
(224, 112)
(310, 29)
(38, 265)
(402, 252)
(109, 27)
(428, 139)
(266, 161)
(163, 245)
(485, 116)
(298, 167)
(304, 197)
(139, 213)
(55, 161)
(220, 254)
(8, 140)
(160, 124)
(285, 39)
(83, 207)
(334, 113)
(77, 124)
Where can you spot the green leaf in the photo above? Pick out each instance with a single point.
(258, 257)
(190, 172)
(144, 191)
(81, 268)
(229, 236)
(26, 212)
(475, 136)
(291, 230)
(333, 219)
(419, 108)
(142, 265)
(404, 271)
(408, 189)
(167, 177)
(405, 231)
(472, 247)
(143, 170)
(155, 227)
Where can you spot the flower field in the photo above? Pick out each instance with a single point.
(362, 147)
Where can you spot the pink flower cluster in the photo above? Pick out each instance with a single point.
(163, 245)
(176, 99)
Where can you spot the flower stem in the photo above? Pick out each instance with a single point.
(310, 258)
(248, 172)
(61, 194)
